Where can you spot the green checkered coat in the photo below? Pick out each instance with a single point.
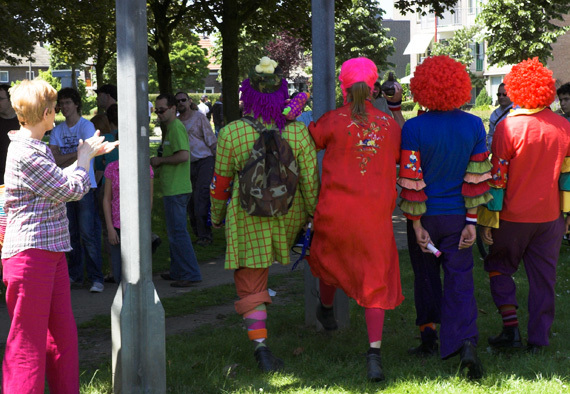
(253, 241)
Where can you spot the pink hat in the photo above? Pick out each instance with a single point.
(355, 70)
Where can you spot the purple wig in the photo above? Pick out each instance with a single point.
(267, 105)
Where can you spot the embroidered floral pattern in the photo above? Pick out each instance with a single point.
(369, 139)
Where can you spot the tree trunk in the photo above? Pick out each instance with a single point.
(161, 50)
(230, 69)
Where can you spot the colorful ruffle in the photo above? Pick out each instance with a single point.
(478, 167)
(499, 172)
(474, 189)
(413, 208)
(565, 165)
(496, 204)
(477, 178)
(565, 201)
(413, 195)
(487, 218)
(564, 182)
(474, 202)
(411, 184)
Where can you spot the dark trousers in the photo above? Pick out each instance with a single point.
(538, 245)
(201, 173)
(452, 306)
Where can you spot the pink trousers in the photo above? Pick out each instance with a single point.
(43, 335)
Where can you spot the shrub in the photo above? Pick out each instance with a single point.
(483, 100)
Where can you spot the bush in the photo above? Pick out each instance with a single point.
(408, 105)
(483, 100)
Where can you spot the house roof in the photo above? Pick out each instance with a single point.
(41, 56)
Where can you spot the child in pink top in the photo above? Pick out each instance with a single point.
(112, 210)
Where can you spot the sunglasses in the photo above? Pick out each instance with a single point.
(181, 100)
(160, 111)
(501, 95)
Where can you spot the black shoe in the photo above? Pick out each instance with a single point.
(510, 337)
(166, 276)
(325, 316)
(204, 242)
(425, 349)
(533, 349)
(374, 367)
(156, 241)
(266, 361)
(470, 361)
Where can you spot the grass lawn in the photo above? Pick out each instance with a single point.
(219, 358)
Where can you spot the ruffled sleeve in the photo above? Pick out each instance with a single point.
(475, 189)
(411, 180)
(488, 214)
(564, 185)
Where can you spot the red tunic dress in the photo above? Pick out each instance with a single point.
(353, 246)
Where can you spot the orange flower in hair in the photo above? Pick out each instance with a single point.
(441, 84)
(530, 84)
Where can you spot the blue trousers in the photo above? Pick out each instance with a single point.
(183, 262)
(453, 306)
(85, 232)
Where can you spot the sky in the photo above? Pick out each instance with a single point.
(388, 6)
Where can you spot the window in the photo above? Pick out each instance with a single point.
(208, 90)
(30, 75)
(4, 77)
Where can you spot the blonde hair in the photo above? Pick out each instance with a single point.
(357, 95)
(30, 99)
(101, 123)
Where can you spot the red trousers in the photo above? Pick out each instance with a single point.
(43, 335)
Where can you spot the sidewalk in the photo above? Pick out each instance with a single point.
(87, 305)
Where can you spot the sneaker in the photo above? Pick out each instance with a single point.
(97, 287)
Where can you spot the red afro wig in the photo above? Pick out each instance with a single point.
(530, 84)
(441, 84)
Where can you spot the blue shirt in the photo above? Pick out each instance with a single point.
(446, 141)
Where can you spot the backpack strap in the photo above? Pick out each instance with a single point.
(256, 124)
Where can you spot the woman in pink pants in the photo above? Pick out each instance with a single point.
(43, 336)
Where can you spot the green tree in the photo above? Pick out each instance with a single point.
(423, 6)
(359, 32)
(458, 47)
(189, 66)
(79, 30)
(53, 81)
(518, 30)
(21, 29)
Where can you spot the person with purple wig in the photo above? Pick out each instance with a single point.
(254, 243)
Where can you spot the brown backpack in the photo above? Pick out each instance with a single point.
(268, 181)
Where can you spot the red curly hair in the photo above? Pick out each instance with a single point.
(530, 84)
(441, 84)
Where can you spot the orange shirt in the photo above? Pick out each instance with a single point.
(535, 146)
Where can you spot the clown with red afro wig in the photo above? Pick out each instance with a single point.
(530, 85)
(441, 84)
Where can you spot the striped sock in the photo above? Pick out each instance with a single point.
(509, 315)
(255, 324)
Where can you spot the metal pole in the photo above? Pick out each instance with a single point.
(324, 82)
(137, 316)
